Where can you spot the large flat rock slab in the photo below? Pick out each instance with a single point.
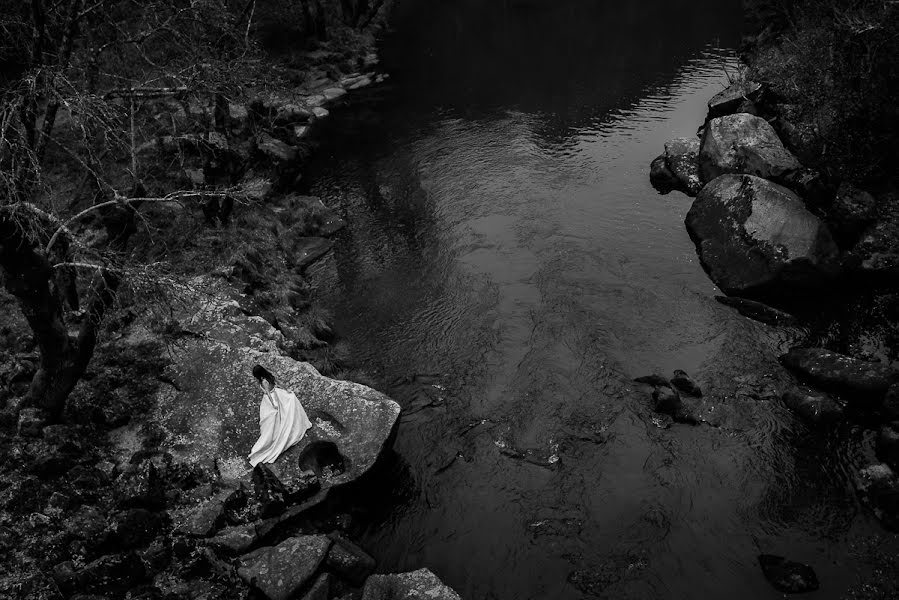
(211, 408)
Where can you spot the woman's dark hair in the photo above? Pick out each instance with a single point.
(260, 373)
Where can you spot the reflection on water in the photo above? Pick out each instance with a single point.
(507, 271)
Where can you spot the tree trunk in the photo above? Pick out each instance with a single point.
(28, 276)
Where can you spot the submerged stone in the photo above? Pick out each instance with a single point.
(862, 382)
(758, 311)
(788, 576)
(816, 409)
(685, 384)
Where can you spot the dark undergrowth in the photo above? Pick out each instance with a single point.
(831, 65)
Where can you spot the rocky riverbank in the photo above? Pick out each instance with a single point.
(144, 491)
(793, 240)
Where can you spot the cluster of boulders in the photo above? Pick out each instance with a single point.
(842, 384)
(239, 150)
(674, 398)
(766, 227)
(169, 507)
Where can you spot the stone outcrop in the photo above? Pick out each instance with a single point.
(677, 168)
(417, 585)
(859, 380)
(815, 409)
(738, 97)
(757, 239)
(212, 406)
(281, 571)
(743, 144)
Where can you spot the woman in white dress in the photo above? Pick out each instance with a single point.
(282, 420)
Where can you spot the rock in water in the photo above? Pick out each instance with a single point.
(682, 158)
(756, 238)
(743, 143)
(666, 400)
(816, 409)
(417, 585)
(739, 97)
(654, 380)
(660, 176)
(212, 409)
(788, 576)
(683, 383)
(758, 311)
(677, 168)
(281, 571)
(861, 381)
(887, 447)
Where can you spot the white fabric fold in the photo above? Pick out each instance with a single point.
(282, 423)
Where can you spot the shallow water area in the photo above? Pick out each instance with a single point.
(507, 270)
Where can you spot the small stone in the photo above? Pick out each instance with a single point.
(666, 401)
(887, 447)
(320, 112)
(788, 576)
(683, 383)
(417, 584)
(333, 93)
(359, 83)
(58, 501)
(235, 539)
(275, 148)
(739, 97)
(660, 176)
(281, 571)
(349, 561)
(654, 380)
(816, 409)
(31, 422)
(320, 589)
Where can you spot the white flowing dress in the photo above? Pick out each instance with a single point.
(282, 423)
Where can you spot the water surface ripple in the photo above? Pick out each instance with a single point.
(507, 271)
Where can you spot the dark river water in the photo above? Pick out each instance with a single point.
(507, 271)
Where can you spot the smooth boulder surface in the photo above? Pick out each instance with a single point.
(816, 409)
(860, 381)
(739, 97)
(211, 409)
(281, 571)
(756, 238)
(417, 585)
(743, 143)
